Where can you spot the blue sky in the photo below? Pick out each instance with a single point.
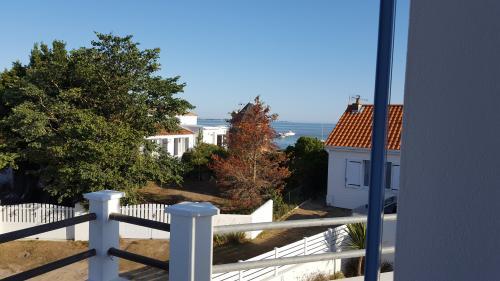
(305, 58)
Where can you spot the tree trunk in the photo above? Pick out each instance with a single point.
(360, 266)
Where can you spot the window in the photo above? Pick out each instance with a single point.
(391, 175)
(388, 172)
(395, 177)
(164, 145)
(366, 172)
(353, 173)
(176, 146)
(180, 146)
(221, 140)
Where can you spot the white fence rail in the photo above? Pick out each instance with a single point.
(15, 217)
(324, 242)
(148, 211)
(34, 213)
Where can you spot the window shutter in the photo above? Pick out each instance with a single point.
(164, 144)
(395, 176)
(353, 173)
(176, 146)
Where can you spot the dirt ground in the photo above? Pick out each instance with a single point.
(191, 190)
(18, 256)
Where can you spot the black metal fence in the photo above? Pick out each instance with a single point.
(27, 232)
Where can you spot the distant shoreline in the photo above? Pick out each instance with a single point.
(278, 121)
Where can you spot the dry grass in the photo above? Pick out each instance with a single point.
(19, 256)
(192, 190)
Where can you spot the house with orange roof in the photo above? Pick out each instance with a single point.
(184, 139)
(349, 147)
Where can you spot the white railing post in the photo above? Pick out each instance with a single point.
(191, 234)
(103, 234)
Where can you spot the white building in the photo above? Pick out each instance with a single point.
(348, 147)
(178, 142)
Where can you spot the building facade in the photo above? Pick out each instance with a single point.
(349, 148)
(178, 142)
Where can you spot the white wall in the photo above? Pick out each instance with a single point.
(210, 134)
(338, 194)
(263, 214)
(171, 138)
(448, 226)
(188, 119)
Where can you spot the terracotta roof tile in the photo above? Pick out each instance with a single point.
(182, 131)
(354, 129)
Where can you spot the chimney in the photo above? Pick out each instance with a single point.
(356, 107)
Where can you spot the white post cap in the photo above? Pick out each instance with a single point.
(193, 209)
(104, 195)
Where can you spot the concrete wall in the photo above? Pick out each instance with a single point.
(448, 224)
(338, 194)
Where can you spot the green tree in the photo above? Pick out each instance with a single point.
(309, 166)
(356, 240)
(200, 157)
(78, 119)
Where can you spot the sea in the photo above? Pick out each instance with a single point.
(317, 130)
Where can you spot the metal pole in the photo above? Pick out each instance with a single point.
(379, 136)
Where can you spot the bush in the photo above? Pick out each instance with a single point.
(280, 208)
(199, 158)
(337, 275)
(235, 238)
(309, 165)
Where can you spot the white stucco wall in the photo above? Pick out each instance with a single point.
(171, 141)
(338, 194)
(210, 134)
(448, 222)
(188, 119)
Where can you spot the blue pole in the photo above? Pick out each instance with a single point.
(379, 138)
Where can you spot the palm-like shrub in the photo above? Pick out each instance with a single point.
(356, 240)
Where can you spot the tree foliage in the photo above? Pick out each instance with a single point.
(77, 119)
(254, 167)
(309, 166)
(199, 158)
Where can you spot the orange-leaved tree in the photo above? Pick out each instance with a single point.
(253, 169)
